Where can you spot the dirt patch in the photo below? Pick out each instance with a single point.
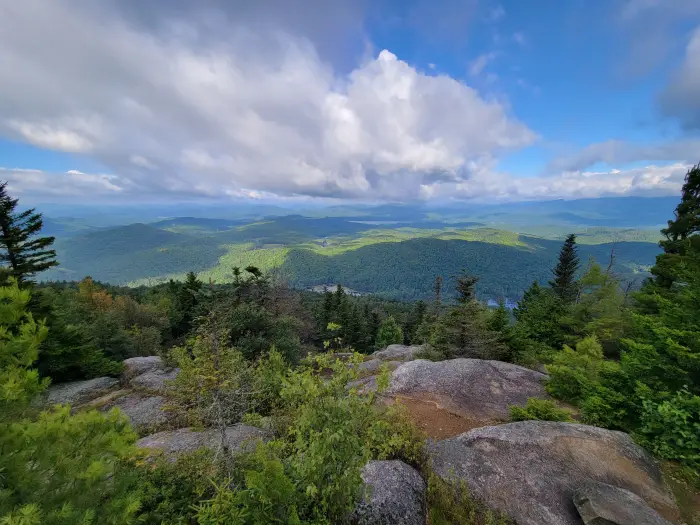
(436, 421)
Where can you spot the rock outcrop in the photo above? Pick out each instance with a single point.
(145, 412)
(136, 366)
(78, 393)
(154, 381)
(239, 438)
(601, 504)
(472, 388)
(531, 470)
(397, 353)
(394, 495)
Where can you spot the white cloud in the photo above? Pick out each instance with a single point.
(143, 162)
(198, 106)
(681, 97)
(54, 136)
(485, 183)
(73, 183)
(519, 38)
(622, 152)
(479, 64)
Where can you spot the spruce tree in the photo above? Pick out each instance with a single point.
(687, 214)
(679, 233)
(500, 319)
(23, 253)
(564, 283)
(465, 288)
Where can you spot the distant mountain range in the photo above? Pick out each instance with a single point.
(392, 250)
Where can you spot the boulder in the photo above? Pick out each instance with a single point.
(397, 353)
(370, 367)
(364, 385)
(136, 366)
(394, 494)
(240, 438)
(154, 380)
(530, 470)
(145, 412)
(79, 392)
(603, 504)
(472, 388)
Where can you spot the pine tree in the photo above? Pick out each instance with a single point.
(438, 294)
(539, 316)
(679, 233)
(415, 319)
(465, 288)
(57, 468)
(500, 319)
(687, 214)
(24, 254)
(564, 283)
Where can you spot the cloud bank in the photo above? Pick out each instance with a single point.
(223, 102)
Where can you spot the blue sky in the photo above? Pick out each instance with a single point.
(391, 101)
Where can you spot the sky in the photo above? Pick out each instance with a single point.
(125, 101)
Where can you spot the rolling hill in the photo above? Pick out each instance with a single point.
(396, 262)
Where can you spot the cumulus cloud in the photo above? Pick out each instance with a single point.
(477, 66)
(189, 105)
(681, 97)
(486, 183)
(73, 183)
(619, 152)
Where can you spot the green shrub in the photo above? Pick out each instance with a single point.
(450, 503)
(671, 427)
(430, 353)
(64, 469)
(574, 374)
(171, 489)
(394, 435)
(267, 495)
(539, 409)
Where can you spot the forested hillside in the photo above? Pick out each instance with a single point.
(398, 263)
(406, 270)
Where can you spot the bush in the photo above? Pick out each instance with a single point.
(539, 409)
(395, 436)
(64, 469)
(267, 496)
(574, 374)
(171, 489)
(671, 427)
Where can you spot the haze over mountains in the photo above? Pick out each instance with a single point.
(392, 250)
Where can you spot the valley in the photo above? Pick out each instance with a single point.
(378, 251)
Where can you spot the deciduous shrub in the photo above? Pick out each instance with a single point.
(539, 409)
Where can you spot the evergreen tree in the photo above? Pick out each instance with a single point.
(373, 322)
(564, 283)
(414, 320)
(500, 319)
(390, 333)
(58, 468)
(687, 213)
(466, 284)
(23, 253)
(438, 295)
(679, 232)
(539, 316)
